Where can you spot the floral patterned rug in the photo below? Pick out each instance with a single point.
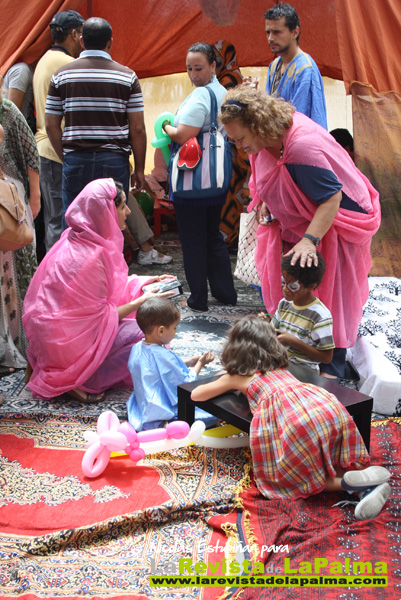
(319, 528)
(64, 535)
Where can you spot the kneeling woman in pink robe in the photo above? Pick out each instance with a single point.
(79, 310)
(311, 196)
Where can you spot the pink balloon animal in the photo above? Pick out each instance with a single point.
(113, 436)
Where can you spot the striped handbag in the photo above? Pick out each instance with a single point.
(212, 175)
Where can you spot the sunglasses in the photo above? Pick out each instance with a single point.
(233, 107)
(293, 287)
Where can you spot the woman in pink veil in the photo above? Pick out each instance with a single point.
(79, 310)
(311, 196)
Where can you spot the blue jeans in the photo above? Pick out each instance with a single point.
(80, 168)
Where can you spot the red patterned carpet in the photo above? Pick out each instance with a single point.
(65, 536)
(314, 528)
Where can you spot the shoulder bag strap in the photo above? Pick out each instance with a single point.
(213, 108)
(213, 138)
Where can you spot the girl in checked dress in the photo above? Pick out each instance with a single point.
(303, 441)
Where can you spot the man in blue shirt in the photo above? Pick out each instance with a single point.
(293, 75)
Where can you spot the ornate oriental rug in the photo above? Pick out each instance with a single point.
(270, 531)
(63, 535)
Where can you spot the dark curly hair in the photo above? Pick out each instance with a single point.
(284, 10)
(343, 137)
(155, 312)
(305, 275)
(253, 346)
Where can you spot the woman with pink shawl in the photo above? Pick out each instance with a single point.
(310, 195)
(79, 310)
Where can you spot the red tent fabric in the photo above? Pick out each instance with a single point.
(161, 32)
(349, 37)
(368, 37)
(25, 28)
(353, 40)
(152, 37)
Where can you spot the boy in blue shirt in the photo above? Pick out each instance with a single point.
(155, 370)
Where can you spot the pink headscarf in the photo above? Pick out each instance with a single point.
(70, 309)
(345, 247)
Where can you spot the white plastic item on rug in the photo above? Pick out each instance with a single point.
(379, 378)
(228, 442)
(376, 354)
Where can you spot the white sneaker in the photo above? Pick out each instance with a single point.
(365, 478)
(372, 502)
(153, 258)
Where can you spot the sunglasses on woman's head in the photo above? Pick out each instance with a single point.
(294, 286)
(233, 107)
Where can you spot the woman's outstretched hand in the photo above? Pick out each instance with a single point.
(306, 250)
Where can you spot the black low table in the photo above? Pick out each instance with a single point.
(233, 407)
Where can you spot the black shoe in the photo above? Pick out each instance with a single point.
(197, 308)
(350, 372)
(226, 302)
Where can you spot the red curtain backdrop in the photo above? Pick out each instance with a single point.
(369, 41)
(152, 36)
(353, 40)
(352, 37)
(368, 35)
(25, 28)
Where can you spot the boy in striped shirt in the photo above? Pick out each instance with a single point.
(304, 324)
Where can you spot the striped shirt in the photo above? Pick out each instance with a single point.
(312, 324)
(95, 94)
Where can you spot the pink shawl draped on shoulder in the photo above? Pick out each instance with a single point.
(345, 247)
(70, 309)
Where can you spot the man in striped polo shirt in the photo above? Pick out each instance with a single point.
(102, 103)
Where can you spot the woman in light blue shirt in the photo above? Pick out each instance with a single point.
(205, 253)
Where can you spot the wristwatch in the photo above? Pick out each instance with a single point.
(313, 239)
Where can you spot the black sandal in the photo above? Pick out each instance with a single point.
(87, 398)
(4, 371)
